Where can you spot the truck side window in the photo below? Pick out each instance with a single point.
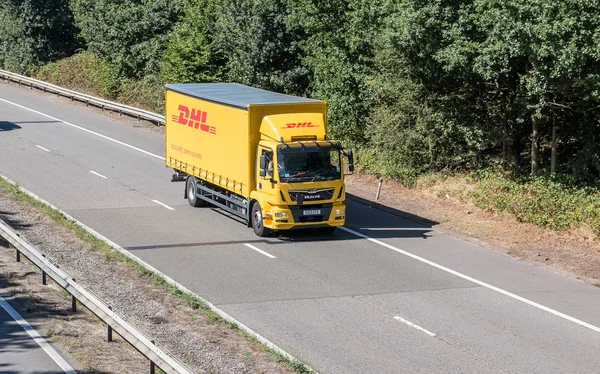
(269, 155)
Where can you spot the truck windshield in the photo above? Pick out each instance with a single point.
(309, 165)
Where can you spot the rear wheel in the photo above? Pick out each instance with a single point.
(258, 224)
(192, 196)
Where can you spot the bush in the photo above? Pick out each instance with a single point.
(82, 72)
(87, 73)
(544, 201)
(147, 93)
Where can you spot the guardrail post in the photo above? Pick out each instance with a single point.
(73, 304)
(379, 188)
(44, 278)
(152, 367)
(109, 333)
(18, 256)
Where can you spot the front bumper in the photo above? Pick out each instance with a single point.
(306, 216)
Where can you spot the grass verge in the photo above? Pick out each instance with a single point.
(111, 253)
(545, 201)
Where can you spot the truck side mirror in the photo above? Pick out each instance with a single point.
(263, 163)
(350, 161)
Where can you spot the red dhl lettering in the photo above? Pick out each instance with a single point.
(298, 125)
(194, 118)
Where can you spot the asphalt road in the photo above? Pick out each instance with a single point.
(407, 299)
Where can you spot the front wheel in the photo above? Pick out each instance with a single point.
(258, 224)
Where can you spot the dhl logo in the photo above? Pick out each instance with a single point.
(194, 118)
(298, 125)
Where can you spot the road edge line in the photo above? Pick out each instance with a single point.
(33, 334)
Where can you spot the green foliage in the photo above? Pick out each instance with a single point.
(147, 93)
(128, 34)
(543, 200)
(82, 72)
(260, 45)
(87, 73)
(35, 32)
(191, 54)
(338, 49)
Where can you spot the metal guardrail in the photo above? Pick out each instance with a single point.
(88, 99)
(157, 355)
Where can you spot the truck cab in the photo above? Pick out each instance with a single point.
(300, 178)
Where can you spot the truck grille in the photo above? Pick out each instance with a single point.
(314, 194)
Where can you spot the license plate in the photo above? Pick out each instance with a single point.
(315, 212)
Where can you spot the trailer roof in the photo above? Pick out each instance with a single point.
(235, 94)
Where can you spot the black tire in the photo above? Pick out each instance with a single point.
(192, 198)
(258, 224)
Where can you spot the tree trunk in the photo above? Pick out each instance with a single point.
(554, 147)
(535, 146)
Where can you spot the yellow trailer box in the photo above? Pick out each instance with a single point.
(212, 130)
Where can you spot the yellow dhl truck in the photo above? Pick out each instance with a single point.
(259, 155)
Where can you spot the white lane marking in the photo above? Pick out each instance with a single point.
(84, 129)
(98, 174)
(476, 281)
(259, 250)
(37, 338)
(163, 204)
(42, 148)
(413, 325)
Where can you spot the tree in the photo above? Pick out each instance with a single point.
(191, 54)
(128, 34)
(35, 32)
(339, 49)
(260, 45)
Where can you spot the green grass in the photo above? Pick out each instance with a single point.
(111, 254)
(544, 201)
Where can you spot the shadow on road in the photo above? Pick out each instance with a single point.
(371, 219)
(364, 216)
(8, 126)
(383, 222)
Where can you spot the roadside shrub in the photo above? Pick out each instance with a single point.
(544, 200)
(89, 74)
(147, 93)
(82, 72)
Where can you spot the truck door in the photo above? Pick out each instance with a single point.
(265, 185)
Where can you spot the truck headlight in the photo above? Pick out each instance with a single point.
(281, 215)
(340, 211)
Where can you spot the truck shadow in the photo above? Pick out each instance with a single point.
(379, 221)
(8, 126)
